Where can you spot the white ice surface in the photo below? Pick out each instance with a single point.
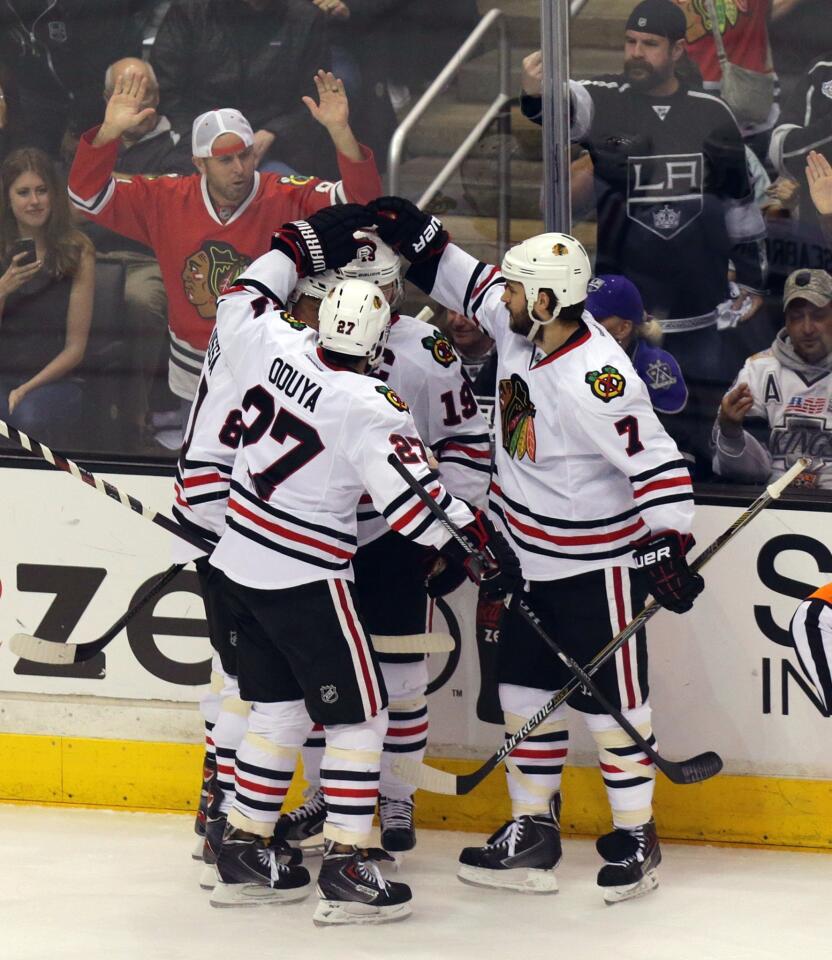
(87, 884)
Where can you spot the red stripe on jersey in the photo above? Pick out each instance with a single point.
(618, 589)
(358, 640)
(178, 493)
(289, 534)
(413, 511)
(469, 451)
(578, 541)
(207, 478)
(348, 792)
(531, 754)
(261, 788)
(407, 731)
(662, 484)
(563, 351)
(484, 283)
(365, 498)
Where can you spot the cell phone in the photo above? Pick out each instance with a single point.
(25, 245)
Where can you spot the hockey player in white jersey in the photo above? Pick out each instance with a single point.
(422, 367)
(586, 486)
(315, 435)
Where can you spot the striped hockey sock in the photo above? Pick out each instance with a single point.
(312, 752)
(407, 729)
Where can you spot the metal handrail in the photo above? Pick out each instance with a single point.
(498, 108)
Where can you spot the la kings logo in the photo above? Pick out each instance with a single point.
(664, 193)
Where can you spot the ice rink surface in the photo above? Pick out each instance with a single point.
(89, 884)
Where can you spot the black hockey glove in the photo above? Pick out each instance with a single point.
(670, 580)
(324, 241)
(416, 235)
(499, 576)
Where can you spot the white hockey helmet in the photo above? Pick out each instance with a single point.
(354, 320)
(549, 261)
(376, 262)
(316, 286)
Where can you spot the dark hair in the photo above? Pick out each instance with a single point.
(569, 314)
(346, 360)
(64, 244)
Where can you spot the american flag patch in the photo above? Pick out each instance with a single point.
(810, 405)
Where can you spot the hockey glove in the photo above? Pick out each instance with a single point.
(498, 571)
(670, 580)
(324, 241)
(416, 235)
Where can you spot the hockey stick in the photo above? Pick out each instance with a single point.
(102, 486)
(692, 770)
(48, 651)
(440, 781)
(413, 643)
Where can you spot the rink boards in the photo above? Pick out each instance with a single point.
(123, 730)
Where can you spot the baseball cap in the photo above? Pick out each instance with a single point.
(611, 295)
(661, 17)
(812, 285)
(213, 124)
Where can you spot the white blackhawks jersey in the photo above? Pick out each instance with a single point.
(793, 410)
(313, 438)
(583, 468)
(422, 367)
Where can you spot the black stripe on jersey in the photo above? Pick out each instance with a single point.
(368, 515)
(462, 438)
(670, 465)
(206, 497)
(260, 287)
(408, 494)
(203, 465)
(429, 519)
(491, 283)
(559, 554)
(189, 525)
(177, 347)
(365, 776)
(91, 205)
(484, 467)
(631, 750)
(566, 524)
(187, 367)
(815, 638)
(263, 772)
(476, 273)
(278, 548)
(290, 518)
(675, 498)
(403, 748)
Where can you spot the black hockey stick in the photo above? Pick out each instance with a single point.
(697, 768)
(37, 649)
(440, 781)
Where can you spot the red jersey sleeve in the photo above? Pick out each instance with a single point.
(123, 206)
(360, 183)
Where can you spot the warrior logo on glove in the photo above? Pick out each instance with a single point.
(441, 349)
(517, 414)
(606, 383)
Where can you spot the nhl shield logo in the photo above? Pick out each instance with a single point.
(57, 31)
(664, 193)
(329, 693)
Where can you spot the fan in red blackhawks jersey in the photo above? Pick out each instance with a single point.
(420, 365)
(313, 436)
(205, 229)
(586, 486)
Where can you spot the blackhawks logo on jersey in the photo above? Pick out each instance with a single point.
(606, 383)
(392, 398)
(517, 414)
(293, 322)
(440, 348)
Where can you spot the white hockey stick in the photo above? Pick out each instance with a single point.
(414, 643)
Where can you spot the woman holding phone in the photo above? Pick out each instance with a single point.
(47, 275)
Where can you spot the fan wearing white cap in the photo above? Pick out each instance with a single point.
(587, 486)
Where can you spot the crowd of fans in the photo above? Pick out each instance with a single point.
(704, 161)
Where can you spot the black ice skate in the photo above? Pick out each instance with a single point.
(352, 889)
(398, 832)
(252, 871)
(632, 857)
(304, 822)
(521, 855)
(209, 771)
(214, 830)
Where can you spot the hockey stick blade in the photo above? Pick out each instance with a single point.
(425, 777)
(695, 770)
(38, 650)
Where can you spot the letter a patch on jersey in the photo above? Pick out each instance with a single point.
(517, 417)
(440, 348)
(606, 383)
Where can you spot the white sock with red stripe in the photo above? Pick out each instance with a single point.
(209, 704)
(535, 766)
(407, 731)
(266, 761)
(229, 731)
(629, 775)
(350, 776)
(312, 753)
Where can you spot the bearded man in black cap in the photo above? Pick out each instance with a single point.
(672, 192)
